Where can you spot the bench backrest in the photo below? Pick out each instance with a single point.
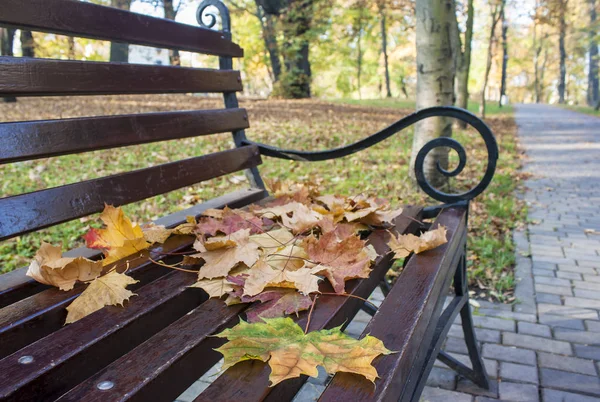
(20, 141)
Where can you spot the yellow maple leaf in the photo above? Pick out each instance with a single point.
(273, 239)
(290, 352)
(106, 290)
(51, 268)
(262, 275)
(216, 287)
(156, 233)
(120, 239)
(403, 245)
(236, 248)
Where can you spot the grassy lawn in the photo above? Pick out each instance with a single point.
(491, 107)
(309, 125)
(582, 109)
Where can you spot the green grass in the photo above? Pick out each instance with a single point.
(311, 125)
(492, 108)
(582, 109)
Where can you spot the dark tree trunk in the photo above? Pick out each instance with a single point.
(296, 26)
(27, 44)
(269, 34)
(496, 11)
(170, 14)
(562, 23)
(504, 58)
(593, 95)
(120, 51)
(71, 44)
(382, 18)
(7, 38)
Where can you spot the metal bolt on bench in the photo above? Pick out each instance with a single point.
(161, 343)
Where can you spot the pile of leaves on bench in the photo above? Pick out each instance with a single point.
(275, 254)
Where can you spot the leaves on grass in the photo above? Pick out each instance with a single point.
(290, 352)
(106, 290)
(120, 239)
(403, 245)
(51, 268)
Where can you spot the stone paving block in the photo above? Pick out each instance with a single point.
(464, 385)
(487, 335)
(355, 329)
(570, 381)
(568, 275)
(456, 331)
(593, 326)
(534, 329)
(576, 268)
(455, 345)
(585, 337)
(442, 378)
(491, 366)
(569, 311)
(565, 363)
(518, 372)
(592, 278)
(587, 294)
(587, 352)
(309, 392)
(556, 290)
(553, 281)
(553, 260)
(561, 321)
(589, 262)
(510, 391)
(547, 298)
(536, 343)
(553, 395)
(509, 354)
(431, 394)
(586, 285)
(494, 323)
(581, 302)
(543, 272)
(543, 265)
(490, 305)
(193, 391)
(509, 315)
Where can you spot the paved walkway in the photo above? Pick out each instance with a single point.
(548, 346)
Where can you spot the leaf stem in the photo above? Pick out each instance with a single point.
(162, 264)
(312, 307)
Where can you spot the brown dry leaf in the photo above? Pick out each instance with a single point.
(216, 287)
(262, 275)
(229, 221)
(273, 239)
(219, 262)
(276, 302)
(106, 290)
(120, 239)
(156, 233)
(186, 228)
(51, 268)
(302, 219)
(403, 245)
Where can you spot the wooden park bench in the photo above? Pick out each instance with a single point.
(161, 343)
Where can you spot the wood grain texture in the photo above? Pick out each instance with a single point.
(41, 139)
(27, 212)
(417, 291)
(76, 18)
(78, 350)
(15, 286)
(329, 312)
(20, 76)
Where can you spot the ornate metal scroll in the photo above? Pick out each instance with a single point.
(447, 111)
(204, 13)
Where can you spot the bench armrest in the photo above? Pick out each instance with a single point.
(444, 111)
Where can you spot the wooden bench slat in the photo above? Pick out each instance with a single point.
(88, 20)
(74, 352)
(187, 354)
(41, 139)
(27, 212)
(424, 278)
(21, 76)
(15, 285)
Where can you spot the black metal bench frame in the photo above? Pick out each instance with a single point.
(419, 333)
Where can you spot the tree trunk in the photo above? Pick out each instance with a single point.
(593, 95)
(119, 52)
(7, 38)
(464, 64)
(297, 22)
(435, 81)
(382, 18)
(562, 23)
(27, 44)
(71, 45)
(504, 59)
(170, 14)
(358, 29)
(537, 48)
(496, 10)
(269, 33)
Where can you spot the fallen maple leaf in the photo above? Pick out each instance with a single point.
(237, 248)
(403, 245)
(290, 352)
(276, 302)
(339, 259)
(263, 275)
(120, 239)
(273, 239)
(51, 268)
(229, 221)
(156, 233)
(302, 219)
(216, 287)
(106, 290)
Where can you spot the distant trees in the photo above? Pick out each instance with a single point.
(593, 93)
(120, 51)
